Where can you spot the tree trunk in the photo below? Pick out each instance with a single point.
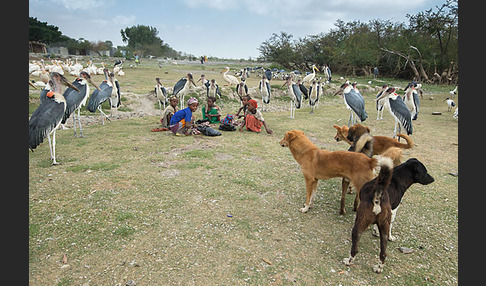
(409, 61)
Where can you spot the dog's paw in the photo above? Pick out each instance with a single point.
(378, 268)
(392, 238)
(304, 209)
(347, 261)
(375, 232)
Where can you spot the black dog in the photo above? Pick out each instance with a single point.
(380, 199)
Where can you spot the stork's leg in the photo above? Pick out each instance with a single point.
(50, 144)
(395, 130)
(54, 147)
(103, 115)
(399, 130)
(79, 122)
(74, 122)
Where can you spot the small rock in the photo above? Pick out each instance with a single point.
(405, 250)
(130, 283)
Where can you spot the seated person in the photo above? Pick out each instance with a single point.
(182, 122)
(169, 111)
(254, 119)
(211, 112)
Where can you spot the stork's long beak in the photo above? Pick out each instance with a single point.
(93, 84)
(67, 83)
(316, 68)
(33, 85)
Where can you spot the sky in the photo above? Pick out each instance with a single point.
(232, 29)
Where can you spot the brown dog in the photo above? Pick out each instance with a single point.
(381, 144)
(319, 164)
(380, 199)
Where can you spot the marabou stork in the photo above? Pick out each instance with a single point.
(303, 89)
(182, 86)
(241, 90)
(213, 90)
(265, 90)
(380, 104)
(160, 93)
(314, 93)
(399, 111)
(108, 88)
(308, 78)
(411, 99)
(230, 79)
(450, 103)
(295, 95)
(47, 117)
(268, 74)
(354, 102)
(115, 98)
(77, 99)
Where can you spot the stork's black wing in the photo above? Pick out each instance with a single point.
(73, 98)
(43, 120)
(298, 95)
(357, 104)
(218, 92)
(119, 93)
(98, 97)
(304, 90)
(401, 111)
(179, 86)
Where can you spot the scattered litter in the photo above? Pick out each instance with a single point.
(436, 113)
(454, 174)
(267, 261)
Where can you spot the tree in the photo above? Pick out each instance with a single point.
(42, 32)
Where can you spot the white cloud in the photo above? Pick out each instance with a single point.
(81, 4)
(120, 20)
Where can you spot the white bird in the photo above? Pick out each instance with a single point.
(230, 79)
(453, 92)
(399, 111)
(47, 117)
(450, 103)
(310, 77)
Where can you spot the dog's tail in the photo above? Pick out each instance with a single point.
(382, 182)
(402, 145)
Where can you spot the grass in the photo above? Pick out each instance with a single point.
(129, 204)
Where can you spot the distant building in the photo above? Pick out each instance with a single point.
(37, 47)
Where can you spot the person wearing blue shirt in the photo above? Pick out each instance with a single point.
(182, 122)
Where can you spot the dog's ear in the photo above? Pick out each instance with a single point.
(291, 135)
(368, 129)
(337, 127)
